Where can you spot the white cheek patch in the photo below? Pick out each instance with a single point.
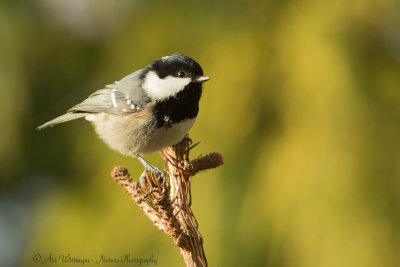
(158, 88)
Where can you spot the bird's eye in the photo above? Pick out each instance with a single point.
(181, 74)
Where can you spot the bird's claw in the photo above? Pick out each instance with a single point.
(160, 175)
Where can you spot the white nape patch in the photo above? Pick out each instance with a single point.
(114, 101)
(158, 88)
(90, 117)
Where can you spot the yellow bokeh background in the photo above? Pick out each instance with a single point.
(304, 105)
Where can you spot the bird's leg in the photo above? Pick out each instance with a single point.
(160, 173)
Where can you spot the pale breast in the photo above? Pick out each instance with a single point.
(135, 134)
(167, 136)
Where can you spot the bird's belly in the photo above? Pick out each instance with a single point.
(138, 136)
(167, 136)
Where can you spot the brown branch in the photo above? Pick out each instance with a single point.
(166, 203)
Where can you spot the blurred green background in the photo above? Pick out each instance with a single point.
(304, 105)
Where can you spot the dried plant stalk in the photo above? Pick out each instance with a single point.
(167, 203)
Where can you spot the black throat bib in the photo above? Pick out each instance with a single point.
(184, 105)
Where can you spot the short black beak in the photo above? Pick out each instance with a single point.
(202, 79)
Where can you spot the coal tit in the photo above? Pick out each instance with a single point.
(146, 111)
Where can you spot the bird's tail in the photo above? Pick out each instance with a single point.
(62, 118)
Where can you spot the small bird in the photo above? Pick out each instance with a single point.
(146, 111)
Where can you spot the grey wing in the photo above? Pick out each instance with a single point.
(130, 85)
(123, 97)
(119, 98)
(105, 100)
